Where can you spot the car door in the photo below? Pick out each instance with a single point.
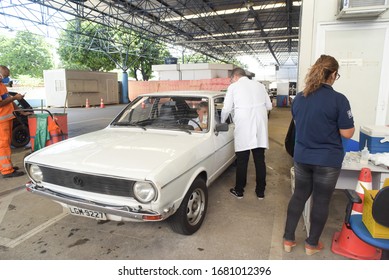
(224, 153)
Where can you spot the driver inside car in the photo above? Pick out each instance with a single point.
(201, 122)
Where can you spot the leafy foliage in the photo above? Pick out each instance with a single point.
(26, 54)
(76, 50)
(197, 58)
(201, 58)
(90, 46)
(149, 53)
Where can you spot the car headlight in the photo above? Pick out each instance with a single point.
(35, 173)
(144, 192)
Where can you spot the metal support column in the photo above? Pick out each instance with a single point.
(124, 96)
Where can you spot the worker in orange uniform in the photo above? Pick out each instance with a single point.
(7, 106)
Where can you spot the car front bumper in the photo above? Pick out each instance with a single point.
(124, 211)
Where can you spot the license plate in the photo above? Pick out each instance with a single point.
(86, 213)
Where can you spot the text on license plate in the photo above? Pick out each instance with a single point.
(86, 213)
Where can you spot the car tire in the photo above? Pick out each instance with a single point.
(191, 213)
(20, 136)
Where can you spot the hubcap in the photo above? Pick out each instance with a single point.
(195, 207)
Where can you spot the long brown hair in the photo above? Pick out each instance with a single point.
(319, 73)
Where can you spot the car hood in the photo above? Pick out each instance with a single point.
(124, 152)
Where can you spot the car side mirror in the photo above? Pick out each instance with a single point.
(221, 127)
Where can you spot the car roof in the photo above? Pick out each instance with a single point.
(191, 93)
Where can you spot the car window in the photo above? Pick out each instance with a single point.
(219, 103)
(166, 112)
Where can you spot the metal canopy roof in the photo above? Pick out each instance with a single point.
(266, 30)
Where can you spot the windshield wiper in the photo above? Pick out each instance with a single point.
(129, 124)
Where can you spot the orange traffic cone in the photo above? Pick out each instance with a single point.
(87, 103)
(102, 103)
(365, 181)
(347, 244)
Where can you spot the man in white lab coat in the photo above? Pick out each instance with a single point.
(248, 103)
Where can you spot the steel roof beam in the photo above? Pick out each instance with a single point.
(173, 21)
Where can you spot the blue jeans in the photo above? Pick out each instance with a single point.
(320, 181)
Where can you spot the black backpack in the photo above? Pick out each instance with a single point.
(290, 138)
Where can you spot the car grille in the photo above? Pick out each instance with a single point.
(87, 182)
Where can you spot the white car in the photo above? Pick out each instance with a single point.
(147, 165)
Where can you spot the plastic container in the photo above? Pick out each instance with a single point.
(57, 126)
(282, 100)
(375, 137)
(376, 230)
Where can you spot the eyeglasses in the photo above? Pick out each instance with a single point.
(337, 76)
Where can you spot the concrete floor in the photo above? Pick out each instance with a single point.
(36, 228)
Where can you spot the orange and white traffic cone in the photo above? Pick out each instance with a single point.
(87, 103)
(346, 242)
(365, 181)
(102, 103)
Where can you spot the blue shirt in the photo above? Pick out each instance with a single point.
(318, 118)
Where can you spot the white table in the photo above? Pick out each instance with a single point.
(348, 179)
(351, 168)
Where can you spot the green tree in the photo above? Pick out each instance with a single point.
(148, 53)
(4, 45)
(26, 54)
(202, 58)
(76, 50)
(86, 45)
(198, 58)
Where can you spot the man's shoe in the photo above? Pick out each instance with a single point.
(260, 195)
(310, 250)
(14, 174)
(288, 245)
(236, 194)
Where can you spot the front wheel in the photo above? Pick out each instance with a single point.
(191, 213)
(20, 136)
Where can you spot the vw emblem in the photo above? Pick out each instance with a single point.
(77, 181)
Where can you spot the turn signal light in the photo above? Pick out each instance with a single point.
(152, 218)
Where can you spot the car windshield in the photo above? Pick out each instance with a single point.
(185, 113)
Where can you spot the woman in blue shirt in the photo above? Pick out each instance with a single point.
(322, 117)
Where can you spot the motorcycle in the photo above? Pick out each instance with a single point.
(20, 132)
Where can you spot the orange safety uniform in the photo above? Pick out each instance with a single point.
(6, 117)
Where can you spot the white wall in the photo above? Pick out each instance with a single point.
(286, 74)
(192, 71)
(362, 50)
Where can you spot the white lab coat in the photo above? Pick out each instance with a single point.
(248, 103)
